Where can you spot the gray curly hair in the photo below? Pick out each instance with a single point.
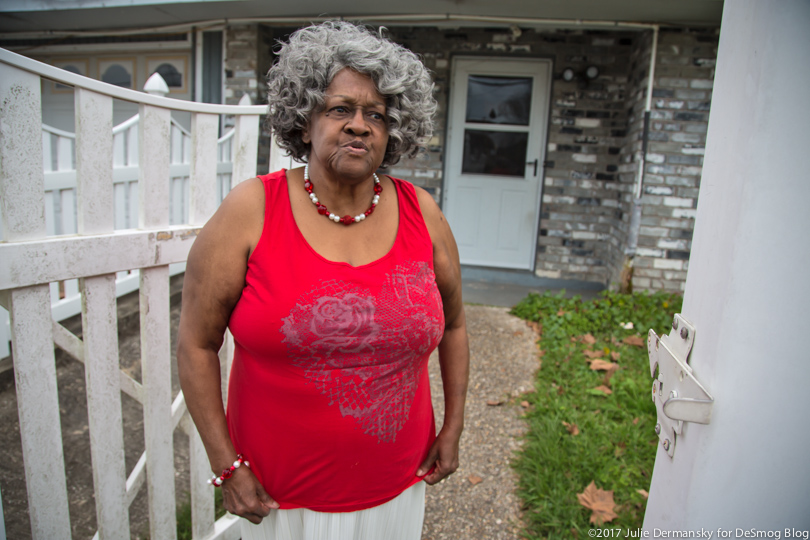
(315, 54)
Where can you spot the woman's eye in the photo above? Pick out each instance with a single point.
(340, 109)
(377, 116)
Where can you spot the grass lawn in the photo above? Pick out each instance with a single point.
(591, 418)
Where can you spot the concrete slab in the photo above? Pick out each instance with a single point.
(505, 288)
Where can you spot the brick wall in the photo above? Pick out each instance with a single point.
(679, 119)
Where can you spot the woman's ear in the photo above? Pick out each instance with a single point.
(305, 138)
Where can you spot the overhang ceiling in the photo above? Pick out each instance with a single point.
(73, 15)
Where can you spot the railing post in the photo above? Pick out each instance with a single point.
(22, 192)
(153, 182)
(245, 145)
(99, 318)
(202, 204)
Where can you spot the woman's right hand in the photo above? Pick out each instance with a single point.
(244, 496)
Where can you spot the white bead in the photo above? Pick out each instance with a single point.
(236, 464)
(362, 217)
(314, 199)
(331, 215)
(312, 196)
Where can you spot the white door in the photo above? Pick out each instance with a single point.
(494, 167)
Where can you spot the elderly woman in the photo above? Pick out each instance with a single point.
(337, 284)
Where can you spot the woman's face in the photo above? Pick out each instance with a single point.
(349, 135)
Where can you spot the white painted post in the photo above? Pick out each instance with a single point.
(746, 473)
(94, 160)
(202, 204)
(245, 145)
(203, 196)
(153, 181)
(22, 188)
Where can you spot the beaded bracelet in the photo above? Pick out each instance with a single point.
(216, 481)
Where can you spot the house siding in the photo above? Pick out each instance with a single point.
(594, 137)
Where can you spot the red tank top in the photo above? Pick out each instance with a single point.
(329, 396)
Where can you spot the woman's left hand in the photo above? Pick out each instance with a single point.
(443, 455)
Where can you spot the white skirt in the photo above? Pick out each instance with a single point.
(399, 519)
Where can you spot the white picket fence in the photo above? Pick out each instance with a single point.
(58, 151)
(95, 213)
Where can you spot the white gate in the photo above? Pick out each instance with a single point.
(31, 260)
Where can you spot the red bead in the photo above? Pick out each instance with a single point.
(322, 210)
(227, 473)
(308, 186)
(378, 188)
(347, 220)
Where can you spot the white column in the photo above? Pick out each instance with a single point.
(747, 290)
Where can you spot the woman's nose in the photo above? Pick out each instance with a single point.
(357, 123)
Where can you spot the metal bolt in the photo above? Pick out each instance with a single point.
(674, 324)
(666, 444)
(684, 332)
(658, 429)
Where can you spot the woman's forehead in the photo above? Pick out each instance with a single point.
(350, 84)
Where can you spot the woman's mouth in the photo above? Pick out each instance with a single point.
(356, 147)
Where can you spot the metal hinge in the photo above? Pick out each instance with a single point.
(678, 395)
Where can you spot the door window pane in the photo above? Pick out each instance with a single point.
(494, 152)
(499, 100)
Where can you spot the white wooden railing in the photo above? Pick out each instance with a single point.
(94, 253)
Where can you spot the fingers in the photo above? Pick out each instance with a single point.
(244, 496)
(442, 458)
(429, 461)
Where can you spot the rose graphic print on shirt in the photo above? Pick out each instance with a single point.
(363, 351)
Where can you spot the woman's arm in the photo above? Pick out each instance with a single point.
(454, 352)
(213, 283)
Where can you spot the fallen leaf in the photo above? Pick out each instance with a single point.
(524, 404)
(600, 502)
(643, 493)
(560, 313)
(635, 421)
(605, 389)
(601, 365)
(573, 429)
(636, 341)
(597, 411)
(474, 480)
(494, 402)
(618, 451)
(517, 333)
(615, 355)
(534, 326)
(560, 391)
(588, 338)
(594, 354)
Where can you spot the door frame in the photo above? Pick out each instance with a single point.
(543, 143)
